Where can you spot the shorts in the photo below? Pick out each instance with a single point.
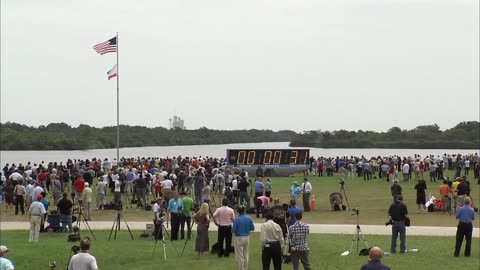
(100, 197)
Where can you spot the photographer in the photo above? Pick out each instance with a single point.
(83, 260)
(336, 201)
(398, 212)
(158, 218)
(175, 208)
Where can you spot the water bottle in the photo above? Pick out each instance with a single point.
(413, 250)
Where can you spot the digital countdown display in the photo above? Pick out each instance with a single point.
(268, 157)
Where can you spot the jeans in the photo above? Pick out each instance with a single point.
(300, 256)
(398, 227)
(246, 197)
(66, 220)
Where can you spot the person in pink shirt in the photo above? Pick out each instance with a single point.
(223, 218)
(265, 203)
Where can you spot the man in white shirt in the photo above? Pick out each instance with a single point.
(37, 212)
(167, 185)
(306, 191)
(406, 171)
(271, 239)
(117, 195)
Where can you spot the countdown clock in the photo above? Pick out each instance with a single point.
(269, 158)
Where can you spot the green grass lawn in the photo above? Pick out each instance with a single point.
(371, 197)
(435, 253)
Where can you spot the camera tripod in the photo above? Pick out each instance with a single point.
(164, 232)
(342, 192)
(81, 218)
(116, 225)
(358, 233)
(192, 222)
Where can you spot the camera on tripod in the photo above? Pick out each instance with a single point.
(118, 206)
(342, 182)
(53, 265)
(356, 210)
(75, 249)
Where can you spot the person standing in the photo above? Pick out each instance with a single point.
(175, 208)
(101, 188)
(295, 191)
(396, 190)
(83, 260)
(292, 210)
(79, 185)
(298, 234)
(223, 218)
(5, 263)
(280, 215)
(272, 241)
(202, 218)
(445, 195)
(37, 211)
(421, 186)
(268, 187)
(157, 218)
(64, 207)
(242, 226)
(117, 190)
(374, 263)
(87, 201)
(19, 193)
(259, 189)
(243, 193)
(186, 216)
(306, 191)
(398, 212)
(465, 215)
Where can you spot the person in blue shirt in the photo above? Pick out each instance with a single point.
(259, 188)
(295, 191)
(175, 207)
(45, 203)
(242, 226)
(292, 210)
(465, 216)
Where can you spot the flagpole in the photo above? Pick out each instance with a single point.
(118, 108)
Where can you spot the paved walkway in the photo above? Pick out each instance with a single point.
(314, 228)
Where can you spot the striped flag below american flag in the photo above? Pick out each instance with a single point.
(107, 46)
(112, 72)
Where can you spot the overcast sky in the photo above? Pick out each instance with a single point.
(223, 64)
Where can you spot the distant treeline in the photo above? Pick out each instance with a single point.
(61, 136)
(465, 135)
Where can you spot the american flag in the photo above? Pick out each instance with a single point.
(107, 46)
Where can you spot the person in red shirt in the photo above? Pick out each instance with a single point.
(78, 185)
(42, 178)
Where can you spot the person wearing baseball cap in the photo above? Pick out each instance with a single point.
(4, 262)
(36, 212)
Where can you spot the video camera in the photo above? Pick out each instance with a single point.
(342, 182)
(75, 249)
(389, 222)
(356, 210)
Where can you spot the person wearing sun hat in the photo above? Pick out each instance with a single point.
(36, 213)
(4, 262)
(295, 191)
